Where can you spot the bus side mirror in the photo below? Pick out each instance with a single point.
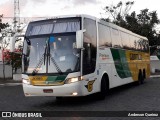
(79, 39)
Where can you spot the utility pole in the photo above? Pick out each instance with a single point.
(16, 26)
(16, 20)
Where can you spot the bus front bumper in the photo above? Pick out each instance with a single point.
(73, 89)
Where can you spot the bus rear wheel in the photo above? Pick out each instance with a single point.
(140, 78)
(144, 74)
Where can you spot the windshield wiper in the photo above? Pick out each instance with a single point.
(49, 57)
(42, 59)
(55, 64)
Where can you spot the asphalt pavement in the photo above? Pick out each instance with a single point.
(130, 97)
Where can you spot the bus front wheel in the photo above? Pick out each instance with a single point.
(104, 88)
(58, 98)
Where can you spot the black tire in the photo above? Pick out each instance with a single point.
(104, 89)
(58, 98)
(140, 78)
(144, 74)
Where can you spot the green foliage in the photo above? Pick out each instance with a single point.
(3, 25)
(119, 11)
(13, 58)
(143, 23)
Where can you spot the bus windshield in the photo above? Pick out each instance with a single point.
(51, 54)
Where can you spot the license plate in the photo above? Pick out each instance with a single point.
(48, 90)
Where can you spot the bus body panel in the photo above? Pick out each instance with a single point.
(63, 90)
(121, 65)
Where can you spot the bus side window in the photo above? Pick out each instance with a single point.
(90, 45)
(133, 43)
(125, 40)
(104, 36)
(116, 39)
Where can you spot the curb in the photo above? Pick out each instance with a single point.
(154, 76)
(10, 81)
(10, 84)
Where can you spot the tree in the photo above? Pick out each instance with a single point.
(142, 24)
(3, 33)
(119, 11)
(3, 25)
(14, 58)
(7, 33)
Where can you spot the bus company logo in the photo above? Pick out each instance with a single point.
(47, 82)
(6, 114)
(103, 56)
(89, 86)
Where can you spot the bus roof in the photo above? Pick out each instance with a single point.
(109, 24)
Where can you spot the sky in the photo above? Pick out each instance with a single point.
(49, 8)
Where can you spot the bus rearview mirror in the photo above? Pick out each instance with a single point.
(79, 39)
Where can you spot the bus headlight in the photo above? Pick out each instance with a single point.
(72, 80)
(26, 81)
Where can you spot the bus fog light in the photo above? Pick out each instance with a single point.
(74, 93)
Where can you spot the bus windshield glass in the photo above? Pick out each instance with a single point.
(50, 47)
(54, 54)
(53, 26)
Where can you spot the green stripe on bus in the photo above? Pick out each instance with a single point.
(56, 78)
(120, 62)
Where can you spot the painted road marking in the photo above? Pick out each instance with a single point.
(154, 76)
(10, 84)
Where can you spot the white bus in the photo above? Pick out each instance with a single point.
(81, 55)
(155, 60)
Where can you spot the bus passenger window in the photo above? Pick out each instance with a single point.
(104, 36)
(116, 40)
(125, 40)
(133, 43)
